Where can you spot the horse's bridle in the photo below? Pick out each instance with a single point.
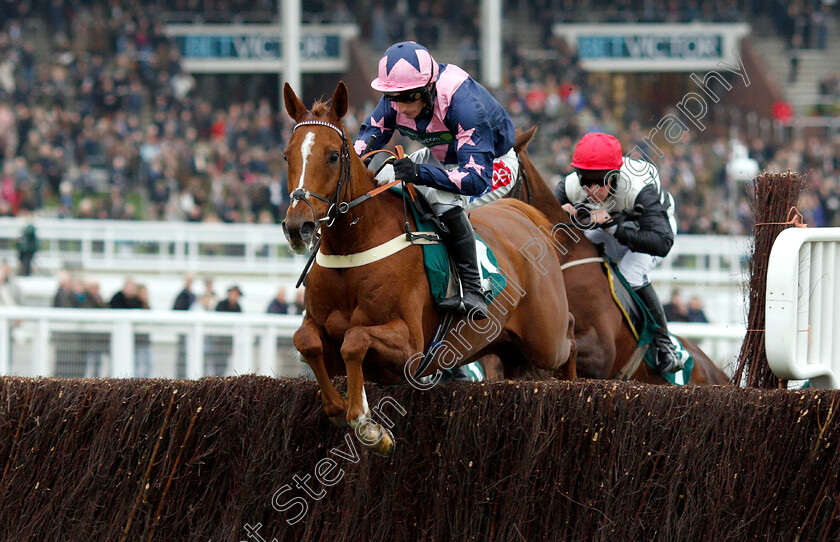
(521, 181)
(335, 204)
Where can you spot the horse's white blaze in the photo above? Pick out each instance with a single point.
(305, 149)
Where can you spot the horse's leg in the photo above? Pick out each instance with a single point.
(705, 370)
(595, 354)
(308, 341)
(389, 341)
(493, 369)
(535, 321)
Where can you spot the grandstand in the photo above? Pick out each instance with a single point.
(132, 156)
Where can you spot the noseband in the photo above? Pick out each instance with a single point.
(343, 178)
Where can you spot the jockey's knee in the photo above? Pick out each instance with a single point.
(442, 208)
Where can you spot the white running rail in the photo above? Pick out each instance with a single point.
(188, 344)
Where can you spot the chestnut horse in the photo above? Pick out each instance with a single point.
(370, 318)
(604, 340)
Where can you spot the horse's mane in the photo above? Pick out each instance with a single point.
(320, 109)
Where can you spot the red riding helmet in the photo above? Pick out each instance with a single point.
(598, 152)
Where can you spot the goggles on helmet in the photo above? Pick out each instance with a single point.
(590, 177)
(407, 96)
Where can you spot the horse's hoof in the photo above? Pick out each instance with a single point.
(385, 446)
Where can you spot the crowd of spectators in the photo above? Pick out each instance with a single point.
(677, 310)
(101, 122)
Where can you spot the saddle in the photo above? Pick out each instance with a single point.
(439, 267)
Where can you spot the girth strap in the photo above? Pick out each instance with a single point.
(398, 243)
(580, 262)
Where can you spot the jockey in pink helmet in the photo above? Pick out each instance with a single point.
(468, 159)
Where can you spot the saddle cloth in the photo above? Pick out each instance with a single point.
(439, 268)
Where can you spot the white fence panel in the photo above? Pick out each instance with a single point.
(99, 246)
(722, 343)
(130, 343)
(802, 334)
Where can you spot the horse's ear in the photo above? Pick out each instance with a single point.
(294, 107)
(339, 101)
(523, 138)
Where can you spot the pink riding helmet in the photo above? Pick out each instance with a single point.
(405, 66)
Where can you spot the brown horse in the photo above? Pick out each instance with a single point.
(378, 315)
(605, 342)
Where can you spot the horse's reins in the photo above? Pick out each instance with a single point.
(522, 182)
(342, 207)
(336, 206)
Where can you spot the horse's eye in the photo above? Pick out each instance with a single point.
(286, 158)
(334, 157)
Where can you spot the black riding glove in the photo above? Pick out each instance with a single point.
(408, 171)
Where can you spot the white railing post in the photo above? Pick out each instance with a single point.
(87, 247)
(195, 352)
(122, 350)
(5, 344)
(243, 351)
(109, 248)
(41, 360)
(268, 352)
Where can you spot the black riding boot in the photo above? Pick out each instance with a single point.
(667, 358)
(460, 241)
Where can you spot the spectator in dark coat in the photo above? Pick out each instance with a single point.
(221, 347)
(695, 311)
(92, 297)
(675, 310)
(127, 297)
(27, 246)
(278, 305)
(186, 297)
(65, 297)
(231, 302)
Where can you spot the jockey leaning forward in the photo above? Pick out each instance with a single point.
(608, 182)
(468, 159)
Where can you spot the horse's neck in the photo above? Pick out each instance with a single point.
(366, 225)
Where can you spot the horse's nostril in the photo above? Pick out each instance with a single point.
(307, 229)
